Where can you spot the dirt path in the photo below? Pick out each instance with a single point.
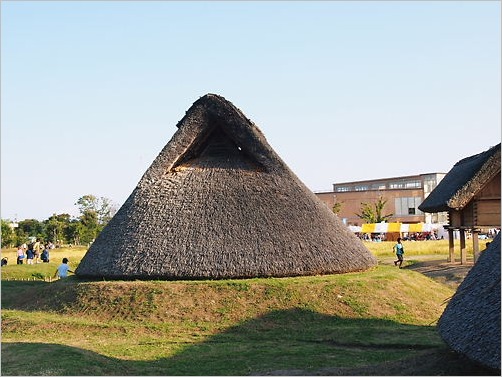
(436, 267)
(451, 274)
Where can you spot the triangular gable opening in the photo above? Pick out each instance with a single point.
(216, 149)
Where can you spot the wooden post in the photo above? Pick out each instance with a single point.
(463, 256)
(475, 244)
(451, 249)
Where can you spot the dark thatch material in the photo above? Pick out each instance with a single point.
(463, 181)
(470, 323)
(218, 203)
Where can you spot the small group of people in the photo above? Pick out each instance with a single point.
(37, 252)
(61, 271)
(34, 252)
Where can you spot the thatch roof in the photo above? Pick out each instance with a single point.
(470, 323)
(467, 177)
(218, 202)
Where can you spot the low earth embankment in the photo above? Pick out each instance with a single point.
(235, 327)
(377, 322)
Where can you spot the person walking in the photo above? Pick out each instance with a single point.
(399, 249)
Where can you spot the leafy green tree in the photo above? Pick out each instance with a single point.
(8, 235)
(21, 236)
(55, 227)
(32, 228)
(73, 232)
(337, 207)
(90, 226)
(95, 213)
(87, 203)
(373, 212)
(103, 207)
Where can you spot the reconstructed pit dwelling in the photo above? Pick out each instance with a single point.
(218, 203)
(470, 323)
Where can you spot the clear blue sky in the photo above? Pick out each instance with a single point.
(91, 91)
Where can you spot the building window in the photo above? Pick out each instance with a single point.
(378, 186)
(413, 184)
(342, 189)
(431, 181)
(396, 185)
(407, 206)
(361, 188)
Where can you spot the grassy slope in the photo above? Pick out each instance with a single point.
(218, 327)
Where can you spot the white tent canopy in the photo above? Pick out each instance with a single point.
(398, 228)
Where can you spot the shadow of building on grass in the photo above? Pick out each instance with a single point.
(283, 342)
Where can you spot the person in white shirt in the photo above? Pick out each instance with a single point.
(20, 254)
(63, 269)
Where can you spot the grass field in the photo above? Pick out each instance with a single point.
(40, 270)
(420, 248)
(227, 327)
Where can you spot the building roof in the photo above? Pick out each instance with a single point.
(387, 179)
(470, 323)
(218, 202)
(467, 177)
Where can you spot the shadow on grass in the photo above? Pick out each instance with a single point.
(18, 294)
(283, 342)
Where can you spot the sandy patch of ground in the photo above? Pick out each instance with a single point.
(451, 274)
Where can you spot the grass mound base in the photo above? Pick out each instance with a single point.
(228, 327)
(383, 292)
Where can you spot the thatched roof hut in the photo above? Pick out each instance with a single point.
(470, 323)
(470, 192)
(218, 202)
(466, 179)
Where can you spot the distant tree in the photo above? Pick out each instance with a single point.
(8, 235)
(103, 207)
(94, 215)
(55, 227)
(90, 227)
(337, 207)
(32, 228)
(21, 236)
(87, 203)
(73, 232)
(373, 212)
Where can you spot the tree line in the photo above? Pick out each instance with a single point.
(63, 229)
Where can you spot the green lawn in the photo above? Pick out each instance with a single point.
(40, 270)
(413, 248)
(228, 327)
